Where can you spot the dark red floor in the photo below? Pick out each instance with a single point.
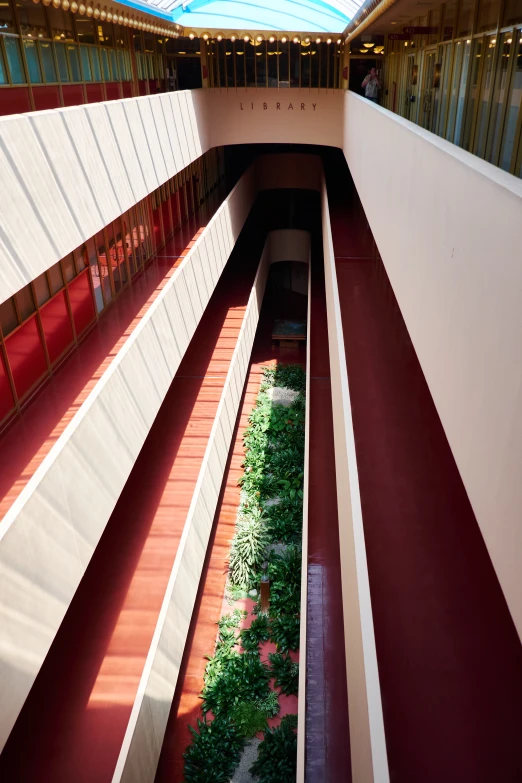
(327, 731)
(31, 436)
(73, 722)
(450, 661)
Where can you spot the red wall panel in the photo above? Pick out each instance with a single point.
(14, 100)
(6, 396)
(167, 228)
(113, 91)
(127, 89)
(47, 97)
(26, 356)
(143, 86)
(82, 304)
(72, 94)
(56, 326)
(95, 93)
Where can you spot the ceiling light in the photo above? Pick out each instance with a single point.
(232, 38)
(191, 36)
(368, 45)
(508, 40)
(219, 37)
(271, 39)
(260, 38)
(284, 39)
(258, 54)
(394, 23)
(296, 40)
(246, 38)
(328, 40)
(338, 40)
(205, 36)
(307, 40)
(318, 40)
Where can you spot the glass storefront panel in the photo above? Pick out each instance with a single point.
(476, 59)
(86, 63)
(486, 86)
(33, 63)
(14, 60)
(461, 100)
(74, 63)
(513, 110)
(499, 97)
(49, 68)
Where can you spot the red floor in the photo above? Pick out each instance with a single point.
(450, 661)
(73, 722)
(327, 729)
(186, 706)
(31, 436)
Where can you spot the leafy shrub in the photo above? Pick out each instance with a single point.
(241, 678)
(258, 632)
(277, 757)
(292, 376)
(286, 673)
(285, 521)
(285, 633)
(214, 753)
(285, 581)
(248, 549)
(249, 718)
(231, 620)
(269, 705)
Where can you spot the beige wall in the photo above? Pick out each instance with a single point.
(67, 173)
(367, 740)
(447, 225)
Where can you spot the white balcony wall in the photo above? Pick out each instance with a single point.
(50, 533)
(447, 226)
(66, 173)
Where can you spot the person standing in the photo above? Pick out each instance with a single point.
(372, 85)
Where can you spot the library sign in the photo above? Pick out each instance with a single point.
(277, 106)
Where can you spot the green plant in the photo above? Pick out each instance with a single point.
(285, 633)
(258, 632)
(232, 619)
(286, 673)
(240, 678)
(270, 704)
(249, 718)
(214, 753)
(285, 581)
(277, 757)
(248, 549)
(285, 521)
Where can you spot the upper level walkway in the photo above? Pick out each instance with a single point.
(30, 437)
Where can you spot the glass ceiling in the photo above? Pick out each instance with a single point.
(312, 16)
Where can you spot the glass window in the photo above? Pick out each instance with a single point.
(283, 64)
(121, 62)
(95, 64)
(462, 93)
(455, 82)
(14, 60)
(25, 302)
(272, 63)
(104, 266)
(85, 29)
(86, 65)
(41, 289)
(488, 15)
(261, 65)
(470, 110)
(240, 62)
(74, 63)
(499, 97)
(104, 54)
(106, 33)
(79, 258)
(61, 57)
(487, 78)
(449, 20)
(55, 277)
(68, 267)
(49, 68)
(33, 64)
(512, 12)
(114, 65)
(32, 18)
(3, 70)
(514, 104)
(7, 18)
(295, 51)
(250, 56)
(61, 24)
(8, 317)
(465, 22)
(95, 274)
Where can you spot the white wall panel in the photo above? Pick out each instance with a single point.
(50, 533)
(66, 173)
(367, 740)
(447, 226)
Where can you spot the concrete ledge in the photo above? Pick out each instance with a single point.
(367, 739)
